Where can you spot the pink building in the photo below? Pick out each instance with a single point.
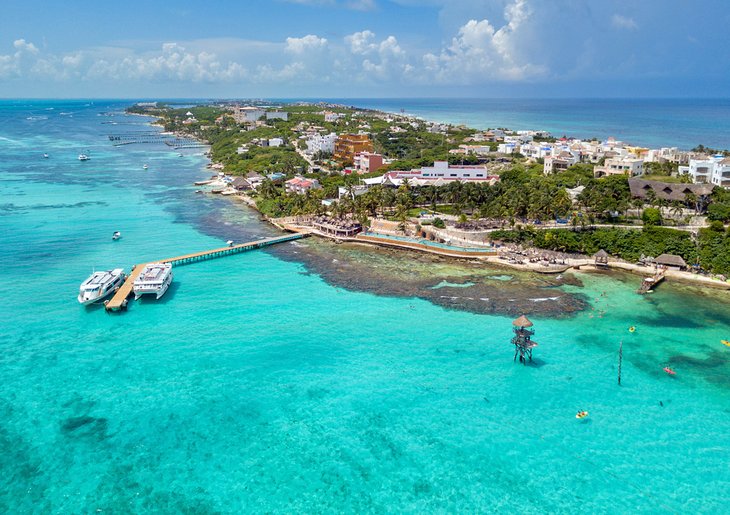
(301, 185)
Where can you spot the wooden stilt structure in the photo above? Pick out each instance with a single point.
(620, 359)
(522, 340)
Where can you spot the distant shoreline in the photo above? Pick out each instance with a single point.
(573, 265)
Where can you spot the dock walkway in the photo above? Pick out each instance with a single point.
(651, 282)
(119, 300)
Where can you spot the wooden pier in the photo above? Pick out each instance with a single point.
(129, 138)
(120, 298)
(651, 282)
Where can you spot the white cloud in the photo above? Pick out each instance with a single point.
(623, 22)
(305, 44)
(360, 42)
(481, 53)
(172, 62)
(22, 46)
(383, 59)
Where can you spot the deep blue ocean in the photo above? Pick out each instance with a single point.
(256, 386)
(656, 123)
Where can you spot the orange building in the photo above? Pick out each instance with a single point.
(347, 145)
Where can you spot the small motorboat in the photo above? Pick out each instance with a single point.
(670, 371)
(116, 235)
(229, 243)
(144, 167)
(45, 156)
(84, 157)
(581, 414)
(726, 343)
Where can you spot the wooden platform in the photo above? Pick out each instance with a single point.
(119, 300)
(646, 286)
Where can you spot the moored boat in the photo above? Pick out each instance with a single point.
(116, 235)
(100, 285)
(154, 279)
(84, 157)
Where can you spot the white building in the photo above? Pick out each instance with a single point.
(332, 117)
(277, 115)
(508, 148)
(620, 166)
(442, 169)
(714, 170)
(276, 142)
(247, 114)
(321, 143)
(537, 150)
(560, 162)
(518, 138)
(354, 191)
(670, 154)
(480, 150)
(612, 144)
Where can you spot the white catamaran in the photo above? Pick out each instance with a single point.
(100, 285)
(155, 278)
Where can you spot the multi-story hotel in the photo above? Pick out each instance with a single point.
(347, 145)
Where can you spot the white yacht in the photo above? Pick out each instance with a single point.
(116, 235)
(155, 278)
(83, 157)
(144, 166)
(45, 156)
(100, 285)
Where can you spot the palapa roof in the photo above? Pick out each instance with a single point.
(239, 182)
(601, 254)
(667, 190)
(671, 260)
(523, 321)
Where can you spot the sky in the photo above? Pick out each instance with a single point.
(364, 48)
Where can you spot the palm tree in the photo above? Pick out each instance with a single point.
(268, 189)
(638, 203)
(675, 209)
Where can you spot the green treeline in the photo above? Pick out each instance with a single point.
(710, 248)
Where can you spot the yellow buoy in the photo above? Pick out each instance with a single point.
(632, 329)
(725, 343)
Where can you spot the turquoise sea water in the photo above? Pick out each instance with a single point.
(253, 386)
(682, 123)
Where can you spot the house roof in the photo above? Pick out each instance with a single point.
(671, 260)
(523, 321)
(601, 254)
(667, 190)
